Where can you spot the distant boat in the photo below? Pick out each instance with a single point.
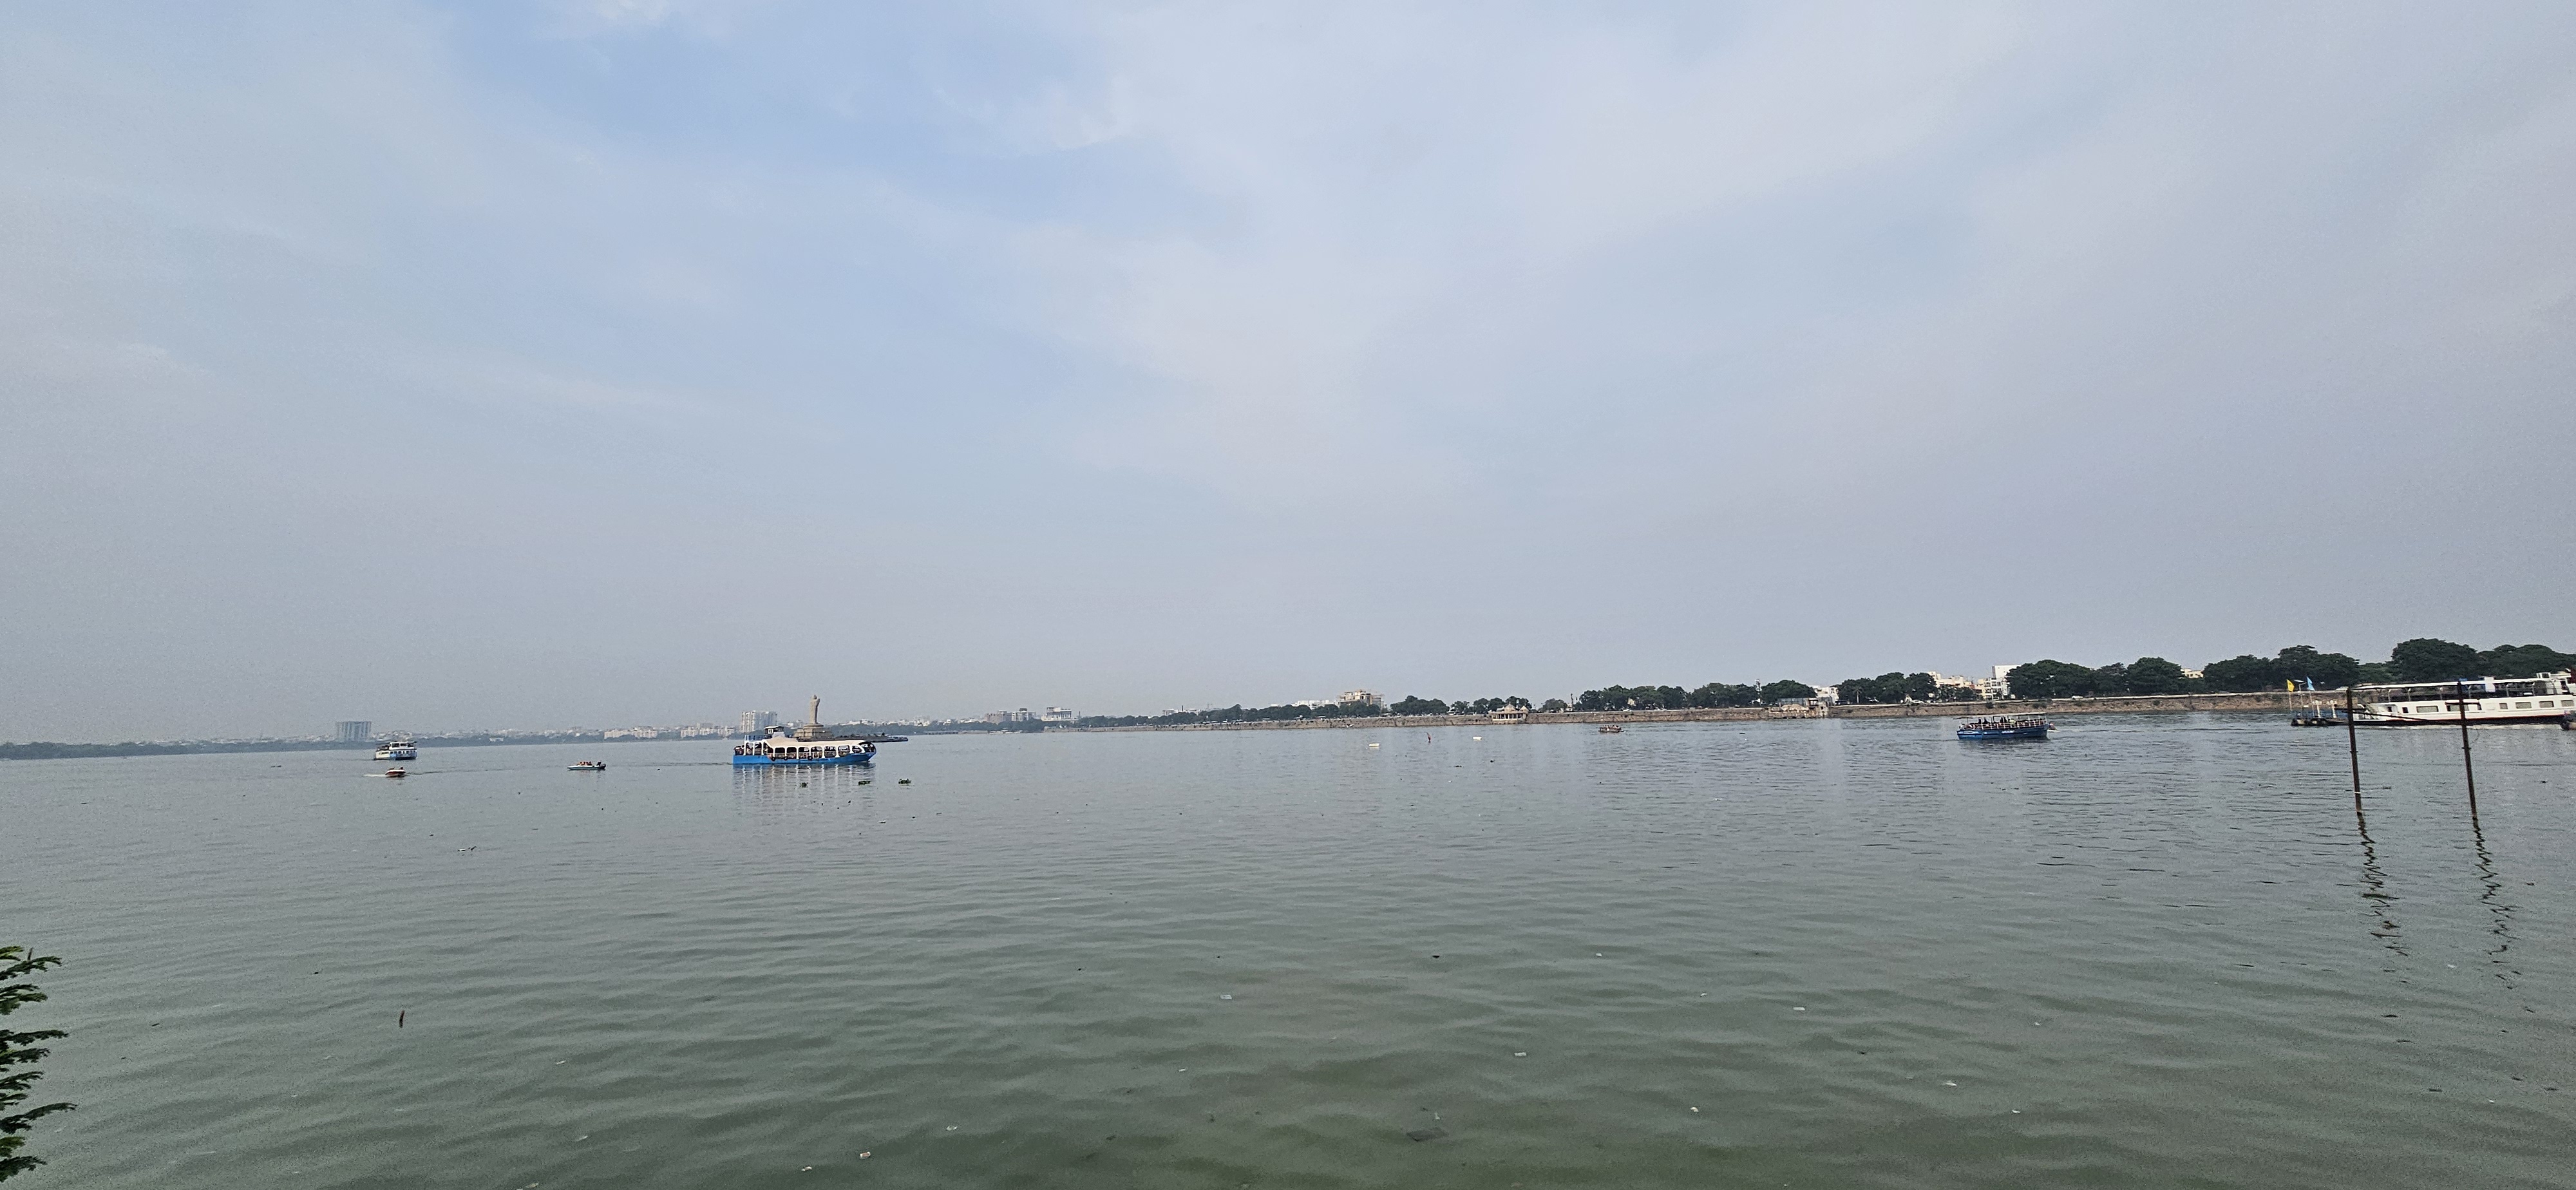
(1611, 729)
(395, 773)
(589, 766)
(2011, 727)
(398, 750)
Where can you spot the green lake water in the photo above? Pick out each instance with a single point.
(2149, 952)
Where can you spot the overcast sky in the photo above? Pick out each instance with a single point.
(644, 361)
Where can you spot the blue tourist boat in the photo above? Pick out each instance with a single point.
(2012, 727)
(811, 743)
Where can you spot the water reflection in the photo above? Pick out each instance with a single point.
(2374, 886)
(790, 787)
(2491, 895)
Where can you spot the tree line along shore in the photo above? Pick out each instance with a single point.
(2424, 659)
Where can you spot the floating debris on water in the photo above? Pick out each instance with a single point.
(1419, 1135)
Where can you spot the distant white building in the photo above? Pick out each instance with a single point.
(756, 722)
(1995, 687)
(1360, 698)
(1057, 715)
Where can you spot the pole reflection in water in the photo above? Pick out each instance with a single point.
(2492, 896)
(2374, 885)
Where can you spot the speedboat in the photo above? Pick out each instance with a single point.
(395, 773)
(589, 766)
(2010, 727)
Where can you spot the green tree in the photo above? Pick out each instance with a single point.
(1409, 705)
(2305, 663)
(18, 1049)
(1784, 690)
(2155, 675)
(2244, 671)
(1553, 704)
(1886, 687)
(2048, 679)
(1721, 694)
(2426, 659)
(2522, 661)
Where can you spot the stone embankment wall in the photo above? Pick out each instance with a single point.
(2260, 701)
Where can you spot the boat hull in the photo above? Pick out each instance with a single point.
(805, 761)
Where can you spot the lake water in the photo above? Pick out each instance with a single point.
(2149, 952)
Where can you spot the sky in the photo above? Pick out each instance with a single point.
(609, 362)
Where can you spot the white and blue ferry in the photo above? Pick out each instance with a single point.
(811, 743)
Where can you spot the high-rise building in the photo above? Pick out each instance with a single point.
(756, 722)
(353, 731)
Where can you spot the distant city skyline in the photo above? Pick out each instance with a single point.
(465, 363)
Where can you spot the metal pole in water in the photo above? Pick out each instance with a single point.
(2352, 743)
(2466, 763)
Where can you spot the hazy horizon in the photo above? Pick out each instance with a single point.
(647, 361)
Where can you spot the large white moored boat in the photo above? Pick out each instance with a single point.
(2544, 701)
